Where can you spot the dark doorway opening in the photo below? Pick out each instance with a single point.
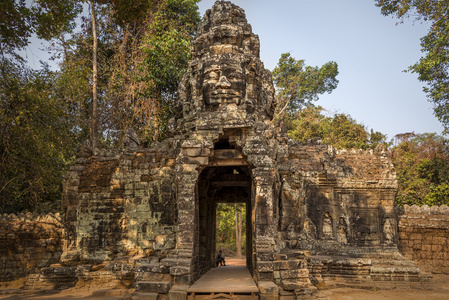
(221, 185)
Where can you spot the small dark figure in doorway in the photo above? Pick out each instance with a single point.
(220, 261)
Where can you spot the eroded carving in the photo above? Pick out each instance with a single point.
(342, 231)
(388, 232)
(328, 232)
(225, 69)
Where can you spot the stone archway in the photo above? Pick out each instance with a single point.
(229, 184)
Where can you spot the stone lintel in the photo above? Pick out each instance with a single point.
(228, 162)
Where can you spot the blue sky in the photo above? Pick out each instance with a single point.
(371, 51)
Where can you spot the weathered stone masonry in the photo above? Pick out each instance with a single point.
(424, 237)
(146, 217)
(28, 243)
(313, 212)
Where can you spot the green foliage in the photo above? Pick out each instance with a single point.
(45, 18)
(225, 235)
(297, 84)
(35, 139)
(167, 52)
(74, 79)
(142, 50)
(340, 130)
(433, 67)
(141, 59)
(422, 166)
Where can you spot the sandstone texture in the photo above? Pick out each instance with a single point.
(145, 217)
(29, 243)
(424, 237)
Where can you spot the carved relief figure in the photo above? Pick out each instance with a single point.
(342, 231)
(292, 236)
(310, 229)
(388, 231)
(327, 227)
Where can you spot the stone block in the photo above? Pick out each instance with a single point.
(183, 279)
(437, 248)
(264, 256)
(177, 271)
(293, 285)
(178, 292)
(265, 266)
(150, 276)
(200, 160)
(268, 288)
(144, 296)
(153, 286)
(193, 152)
(298, 273)
(265, 276)
(288, 264)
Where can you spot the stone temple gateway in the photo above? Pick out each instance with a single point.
(314, 213)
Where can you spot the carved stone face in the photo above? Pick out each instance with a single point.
(224, 82)
(225, 71)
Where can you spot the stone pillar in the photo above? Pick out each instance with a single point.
(187, 216)
(264, 223)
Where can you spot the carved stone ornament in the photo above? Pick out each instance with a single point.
(225, 70)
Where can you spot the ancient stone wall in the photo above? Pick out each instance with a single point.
(120, 204)
(28, 243)
(424, 236)
(304, 199)
(339, 198)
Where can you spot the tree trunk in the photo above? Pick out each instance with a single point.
(238, 231)
(94, 125)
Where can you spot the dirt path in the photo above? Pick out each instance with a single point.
(437, 288)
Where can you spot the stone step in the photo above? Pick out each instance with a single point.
(393, 262)
(294, 274)
(290, 285)
(389, 269)
(179, 270)
(151, 276)
(185, 253)
(176, 262)
(161, 287)
(146, 260)
(289, 264)
(154, 268)
(144, 296)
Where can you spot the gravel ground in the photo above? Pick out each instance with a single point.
(434, 289)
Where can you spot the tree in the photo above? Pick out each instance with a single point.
(297, 84)
(45, 18)
(94, 126)
(52, 112)
(433, 67)
(167, 52)
(339, 130)
(422, 166)
(139, 65)
(36, 141)
(231, 232)
(238, 230)
(35, 134)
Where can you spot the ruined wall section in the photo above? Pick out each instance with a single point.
(28, 243)
(424, 236)
(338, 198)
(121, 204)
